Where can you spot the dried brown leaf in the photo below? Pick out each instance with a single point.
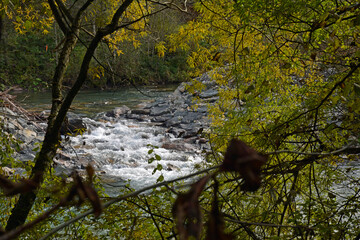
(246, 161)
(84, 190)
(12, 188)
(90, 171)
(79, 188)
(215, 225)
(6, 183)
(94, 199)
(186, 211)
(72, 193)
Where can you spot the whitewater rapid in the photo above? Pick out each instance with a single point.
(119, 151)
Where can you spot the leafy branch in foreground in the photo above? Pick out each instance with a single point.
(80, 190)
(239, 159)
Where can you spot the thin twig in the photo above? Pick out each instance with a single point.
(353, 150)
(267, 224)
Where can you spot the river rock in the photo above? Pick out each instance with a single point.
(160, 110)
(177, 112)
(26, 135)
(171, 167)
(177, 132)
(162, 119)
(7, 112)
(179, 146)
(173, 122)
(209, 93)
(140, 118)
(144, 105)
(118, 111)
(44, 114)
(73, 126)
(140, 111)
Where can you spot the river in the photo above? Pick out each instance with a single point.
(120, 150)
(91, 102)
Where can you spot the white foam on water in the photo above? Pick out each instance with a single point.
(120, 149)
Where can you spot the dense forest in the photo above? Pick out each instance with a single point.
(287, 74)
(135, 60)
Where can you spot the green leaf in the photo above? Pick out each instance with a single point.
(151, 160)
(27, 24)
(159, 167)
(150, 151)
(160, 178)
(157, 157)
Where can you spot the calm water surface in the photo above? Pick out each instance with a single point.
(90, 102)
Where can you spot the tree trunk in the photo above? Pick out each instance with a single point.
(51, 140)
(1, 27)
(60, 106)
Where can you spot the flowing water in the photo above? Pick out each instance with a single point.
(119, 150)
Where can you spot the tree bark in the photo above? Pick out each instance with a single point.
(1, 27)
(51, 140)
(59, 106)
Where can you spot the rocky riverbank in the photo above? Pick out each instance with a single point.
(177, 113)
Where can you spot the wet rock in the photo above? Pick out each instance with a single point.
(162, 119)
(61, 156)
(13, 125)
(144, 105)
(62, 167)
(73, 126)
(201, 140)
(140, 111)
(191, 140)
(173, 122)
(191, 117)
(44, 114)
(25, 155)
(145, 136)
(177, 132)
(7, 112)
(211, 100)
(209, 93)
(179, 146)
(171, 167)
(118, 111)
(26, 135)
(156, 111)
(140, 118)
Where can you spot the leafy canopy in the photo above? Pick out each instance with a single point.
(288, 82)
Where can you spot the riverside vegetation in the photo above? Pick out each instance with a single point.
(287, 76)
